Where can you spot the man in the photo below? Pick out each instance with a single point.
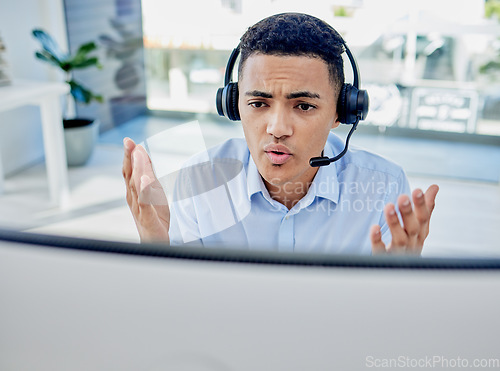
(290, 76)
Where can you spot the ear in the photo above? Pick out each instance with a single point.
(336, 122)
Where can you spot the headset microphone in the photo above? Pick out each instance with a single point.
(352, 104)
(325, 161)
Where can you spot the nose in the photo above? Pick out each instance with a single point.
(279, 123)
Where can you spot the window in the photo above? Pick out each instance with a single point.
(427, 65)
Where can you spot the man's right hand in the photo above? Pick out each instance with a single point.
(145, 196)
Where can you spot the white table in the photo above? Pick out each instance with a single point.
(46, 95)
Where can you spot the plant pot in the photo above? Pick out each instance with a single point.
(80, 136)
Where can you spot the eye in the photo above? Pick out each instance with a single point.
(257, 104)
(305, 107)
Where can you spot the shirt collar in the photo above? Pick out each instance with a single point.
(255, 184)
(325, 183)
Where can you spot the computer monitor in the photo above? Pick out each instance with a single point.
(76, 304)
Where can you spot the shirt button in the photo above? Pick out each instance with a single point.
(287, 217)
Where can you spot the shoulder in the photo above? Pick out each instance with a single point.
(236, 148)
(212, 167)
(364, 160)
(232, 149)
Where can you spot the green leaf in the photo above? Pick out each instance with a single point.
(86, 48)
(490, 66)
(83, 95)
(49, 45)
(79, 93)
(83, 51)
(98, 98)
(83, 63)
(51, 53)
(66, 66)
(46, 57)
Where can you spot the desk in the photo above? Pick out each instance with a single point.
(47, 96)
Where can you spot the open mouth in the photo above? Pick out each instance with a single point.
(277, 153)
(278, 157)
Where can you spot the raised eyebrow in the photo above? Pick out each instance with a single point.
(258, 93)
(302, 94)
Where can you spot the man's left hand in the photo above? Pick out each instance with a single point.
(409, 235)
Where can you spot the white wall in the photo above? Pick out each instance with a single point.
(21, 142)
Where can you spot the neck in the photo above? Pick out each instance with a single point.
(289, 193)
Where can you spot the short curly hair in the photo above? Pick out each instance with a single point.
(295, 34)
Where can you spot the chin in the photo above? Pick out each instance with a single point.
(273, 176)
(277, 176)
(280, 174)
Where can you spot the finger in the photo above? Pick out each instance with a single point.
(146, 161)
(424, 206)
(410, 222)
(378, 246)
(430, 197)
(132, 193)
(142, 211)
(399, 236)
(151, 192)
(137, 170)
(145, 190)
(128, 147)
(421, 211)
(144, 177)
(154, 215)
(145, 210)
(132, 196)
(425, 203)
(145, 204)
(149, 188)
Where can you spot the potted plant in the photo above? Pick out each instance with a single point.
(80, 134)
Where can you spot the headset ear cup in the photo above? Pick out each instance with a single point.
(233, 112)
(218, 101)
(363, 104)
(352, 104)
(227, 101)
(342, 103)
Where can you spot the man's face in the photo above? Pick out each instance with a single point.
(287, 106)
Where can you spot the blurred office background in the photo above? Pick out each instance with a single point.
(431, 67)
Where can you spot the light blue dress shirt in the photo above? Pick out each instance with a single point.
(220, 200)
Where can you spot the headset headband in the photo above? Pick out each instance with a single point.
(230, 65)
(228, 77)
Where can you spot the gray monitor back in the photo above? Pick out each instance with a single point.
(67, 309)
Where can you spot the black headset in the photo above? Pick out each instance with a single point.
(352, 104)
